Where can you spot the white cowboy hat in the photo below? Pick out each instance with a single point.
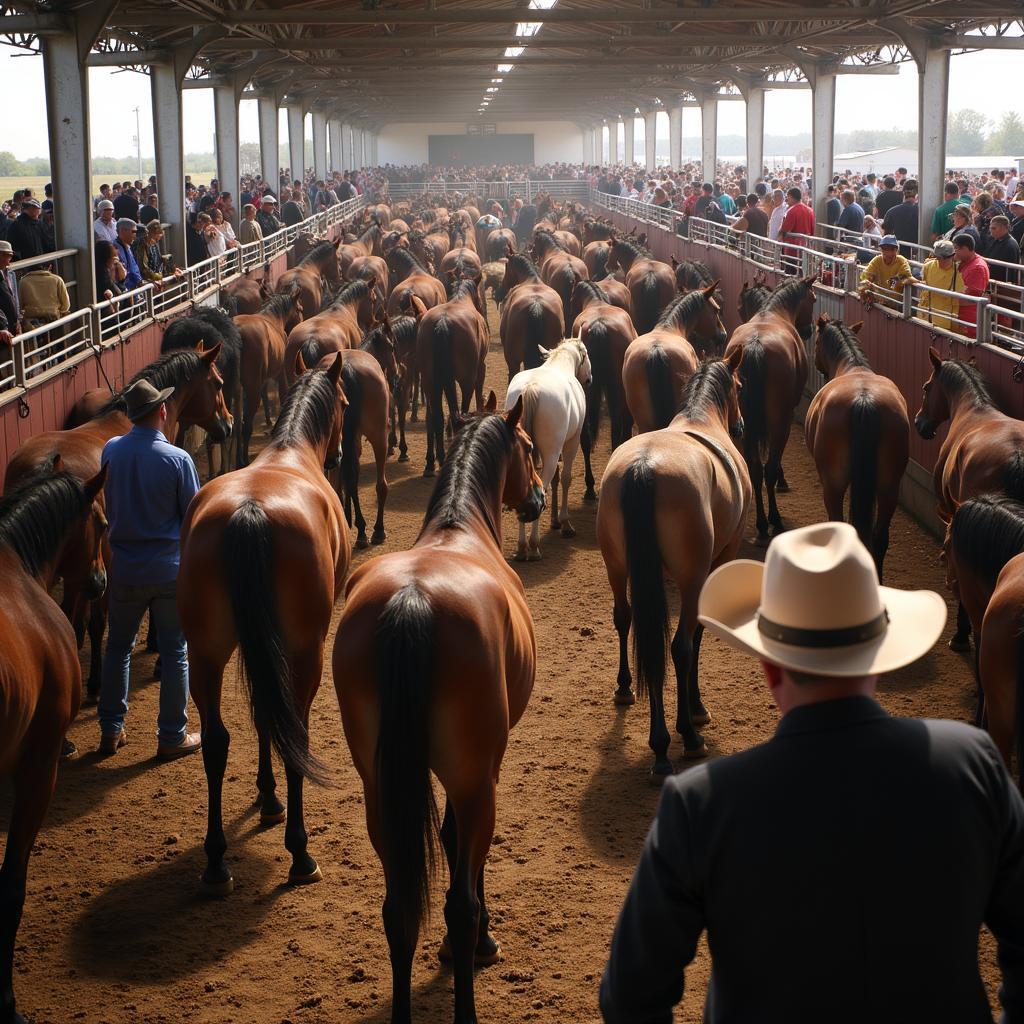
(815, 606)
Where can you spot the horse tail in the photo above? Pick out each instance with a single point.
(408, 811)
(568, 278)
(1013, 477)
(1019, 723)
(865, 423)
(443, 376)
(600, 265)
(311, 353)
(535, 335)
(646, 312)
(249, 575)
(646, 580)
(659, 384)
(350, 434)
(753, 398)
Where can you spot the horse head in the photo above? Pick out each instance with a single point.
(523, 490)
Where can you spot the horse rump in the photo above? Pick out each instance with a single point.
(865, 427)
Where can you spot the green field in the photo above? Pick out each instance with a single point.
(8, 186)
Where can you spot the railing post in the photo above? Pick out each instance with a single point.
(18, 358)
(908, 301)
(984, 320)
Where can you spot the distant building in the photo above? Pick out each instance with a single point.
(882, 161)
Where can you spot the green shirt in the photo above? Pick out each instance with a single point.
(942, 218)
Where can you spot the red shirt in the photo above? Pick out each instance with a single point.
(975, 274)
(799, 220)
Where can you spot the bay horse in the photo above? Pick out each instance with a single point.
(499, 243)
(50, 516)
(651, 283)
(752, 298)
(264, 338)
(531, 314)
(774, 374)
(404, 330)
(464, 263)
(558, 268)
(673, 502)
(451, 348)
(372, 269)
(658, 364)
(409, 277)
(367, 244)
(983, 452)
(617, 292)
(264, 554)
(198, 400)
(597, 231)
(984, 552)
(318, 266)
(858, 433)
(554, 401)
(691, 274)
(434, 662)
(430, 246)
(607, 332)
(245, 294)
(595, 256)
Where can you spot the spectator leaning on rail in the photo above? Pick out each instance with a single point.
(249, 229)
(974, 271)
(126, 233)
(886, 275)
(941, 271)
(149, 487)
(44, 296)
(813, 860)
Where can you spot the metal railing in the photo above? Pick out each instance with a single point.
(61, 344)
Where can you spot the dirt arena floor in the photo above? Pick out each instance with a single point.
(115, 929)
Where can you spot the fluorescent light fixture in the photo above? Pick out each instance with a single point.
(491, 88)
(504, 69)
(542, 5)
(514, 51)
(528, 28)
(497, 79)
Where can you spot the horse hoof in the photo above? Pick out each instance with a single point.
(702, 717)
(778, 528)
(533, 556)
(568, 532)
(762, 539)
(660, 772)
(487, 952)
(625, 698)
(428, 472)
(782, 487)
(695, 753)
(590, 494)
(520, 555)
(215, 887)
(273, 812)
(403, 457)
(379, 536)
(555, 524)
(362, 542)
(306, 878)
(962, 645)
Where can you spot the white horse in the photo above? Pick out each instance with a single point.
(554, 409)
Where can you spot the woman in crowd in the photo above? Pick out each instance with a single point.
(110, 271)
(221, 224)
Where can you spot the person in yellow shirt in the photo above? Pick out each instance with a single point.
(941, 272)
(44, 296)
(886, 275)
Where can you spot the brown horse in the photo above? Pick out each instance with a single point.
(264, 554)
(774, 375)
(198, 399)
(409, 277)
(752, 297)
(531, 315)
(317, 267)
(984, 551)
(858, 432)
(597, 231)
(651, 283)
(434, 663)
(983, 452)
(368, 244)
(404, 330)
(430, 246)
(499, 243)
(264, 339)
(451, 348)
(658, 364)
(245, 294)
(373, 269)
(607, 332)
(558, 268)
(463, 263)
(617, 292)
(595, 256)
(673, 501)
(50, 517)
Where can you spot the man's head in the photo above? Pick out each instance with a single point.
(910, 190)
(249, 211)
(944, 251)
(961, 215)
(6, 254)
(1016, 207)
(707, 188)
(106, 210)
(952, 190)
(999, 226)
(778, 197)
(890, 247)
(794, 195)
(267, 204)
(963, 248)
(848, 197)
(32, 208)
(126, 230)
(105, 191)
(889, 181)
(145, 405)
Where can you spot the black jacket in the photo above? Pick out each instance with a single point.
(8, 308)
(842, 871)
(27, 237)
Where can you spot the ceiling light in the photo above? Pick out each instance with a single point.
(542, 5)
(504, 69)
(528, 28)
(514, 51)
(491, 88)
(497, 79)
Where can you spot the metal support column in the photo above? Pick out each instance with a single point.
(599, 144)
(629, 126)
(334, 134)
(614, 152)
(170, 171)
(587, 143)
(346, 147)
(823, 124)
(225, 110)
(296, 140)
(320, 144)
(709, 136)
(358, 152)
(755, 135)
(933, 108)
(373, 150)
(675, 138)
(270, 145)
(650, 139)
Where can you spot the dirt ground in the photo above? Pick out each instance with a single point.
(115, 929)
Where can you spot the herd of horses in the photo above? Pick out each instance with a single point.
(434, 656)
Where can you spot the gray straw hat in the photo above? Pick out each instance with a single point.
(944, 248)
(142, 398)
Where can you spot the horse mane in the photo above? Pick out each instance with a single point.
(168, 370)
(279, 304)
(693, 274)
(592, 290)
(549, 237)
(987, 532)
(633, 248)
(210, 325)
(523, 262)
(708, 388)
(754, 298)
(842, 344)
(375, 226)
(462, 288)
(787, 296)
(403, 329)
(471, 473)
(960, 377)
(405, 255)
(318, 253)
(353, 291)
(307, 412)
(35, 515)
(682, 309)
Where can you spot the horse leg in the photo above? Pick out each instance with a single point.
(783, 484)
(880, 535)
(833, 495)
(777, 445)
(34, 778)
(271, 809)
(756, 478)
(961, 639)
(586, 443)
(683, 657)
(351, 473)
(97, 624)
(265, 395)
(568, 459)
(306, 673)
(554, 497)
(429, 467)
(401, 944)
(380, 455)
(699, 714)
(622, 616)
(415, 413)
(658, 737)
(403, 409)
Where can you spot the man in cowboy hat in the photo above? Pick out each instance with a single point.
(149, 487)
(843, 869)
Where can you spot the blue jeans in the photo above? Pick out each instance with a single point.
(127, 606)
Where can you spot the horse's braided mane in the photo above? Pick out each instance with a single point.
(682, 309)
(841, 343)
(787, 295)
(319, 252)
(634, 248)
(960, 377)
(462, 288)
(35, 516)
(353, 291)
(279, 304)
(592, 290)
(405, 255)
(471, 473)
(693, 273)
(987, 532)
(403, 329)
(523, 262)
(307, 413)
(708, 388)
(168, 370)
(549, 237)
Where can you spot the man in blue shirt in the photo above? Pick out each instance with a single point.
(125, 238)
(852, 217)
(149, 488)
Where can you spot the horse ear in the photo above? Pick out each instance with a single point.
(300, 364)
(674, 262)
(809, 281)
(491, 404)
(855, 328)
(823, 321)
(710, 290)
(210, 356)
(934, 356)
(334, 372)
(515, 414)
(55, 463)
(734, 358)
(544, 352)
(94, 485)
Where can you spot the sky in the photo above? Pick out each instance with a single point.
(862, 101)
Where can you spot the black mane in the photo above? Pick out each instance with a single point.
(405, 255)
(353, 291)
(632, 248)
(307, 413)
(693, 274)
(708, 388)
(987, 532)
(403, 329)
(841, 344)
(548, 236)
(279, 304)
(787, 295)
(591, 289)
(212, 326)
(320, 252)
(682, 309)
(959, 378)
(168, 370)
(523, 263)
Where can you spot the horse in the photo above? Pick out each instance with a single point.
(499, 243)
(752, 297)
(491, 276)
(430, 246)
(319, 265)
(617, 292)
(340, 326)
(597, 231)
(198, 400)
(434, 662)
(691, 274)
(264, 338)
(673, 501)
(464, 263)
(658, 364)
(774, 375)
(858, 432)
(264, 554)
(984, 552)
(409, 277)
(451, 347)
(531, 314)
(983, 452)
(558, 268)
(373, 269)
(554, 401)
(244, 295)
(651, 283)
(607, 332)
(50, 517)
(368, 244)
(595, 256)
(568, 241)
